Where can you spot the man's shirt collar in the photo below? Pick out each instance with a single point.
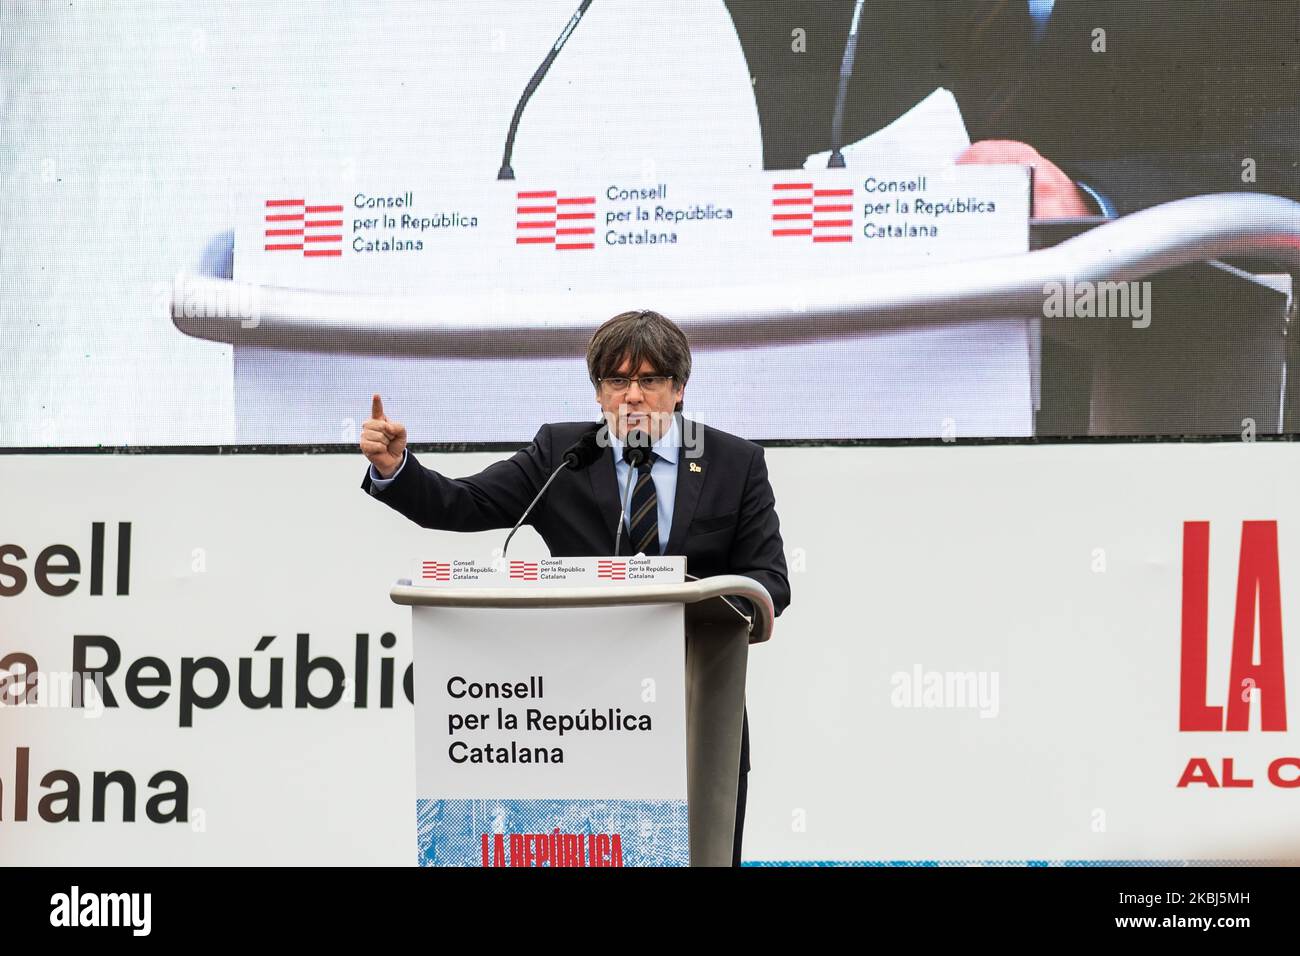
(666, 447)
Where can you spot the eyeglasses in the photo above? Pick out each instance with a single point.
(649, 383)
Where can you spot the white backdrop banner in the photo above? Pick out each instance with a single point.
(1049, 653)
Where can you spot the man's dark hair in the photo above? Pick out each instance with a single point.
(643, 336)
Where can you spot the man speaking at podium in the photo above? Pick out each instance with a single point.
(702, 493)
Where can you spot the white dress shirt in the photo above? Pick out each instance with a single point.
(663, 473)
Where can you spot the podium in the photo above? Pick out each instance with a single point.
(647, 670)
(1219, 352)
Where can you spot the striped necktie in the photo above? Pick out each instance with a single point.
(644, 533)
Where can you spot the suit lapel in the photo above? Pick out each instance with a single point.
(691, 473)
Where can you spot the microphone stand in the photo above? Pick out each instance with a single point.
(582, 454)
(846, 73)
(506, 172)
(633, 456)
(555, 474)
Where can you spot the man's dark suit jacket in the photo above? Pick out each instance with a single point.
(724, 514)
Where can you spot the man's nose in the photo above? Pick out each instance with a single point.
(637, 386)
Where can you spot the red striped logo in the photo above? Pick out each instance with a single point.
(294, 225)
(823, 215)
(611, 570)
(545, 218)
(523, 570)
(435, 570)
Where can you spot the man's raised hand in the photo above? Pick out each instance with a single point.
(382, 442)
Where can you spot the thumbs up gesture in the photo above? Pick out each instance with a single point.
(382, 442)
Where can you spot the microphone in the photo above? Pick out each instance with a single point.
(586, 451)
(846, 73)
(634, 455)
(506, 172)
(583, 453)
